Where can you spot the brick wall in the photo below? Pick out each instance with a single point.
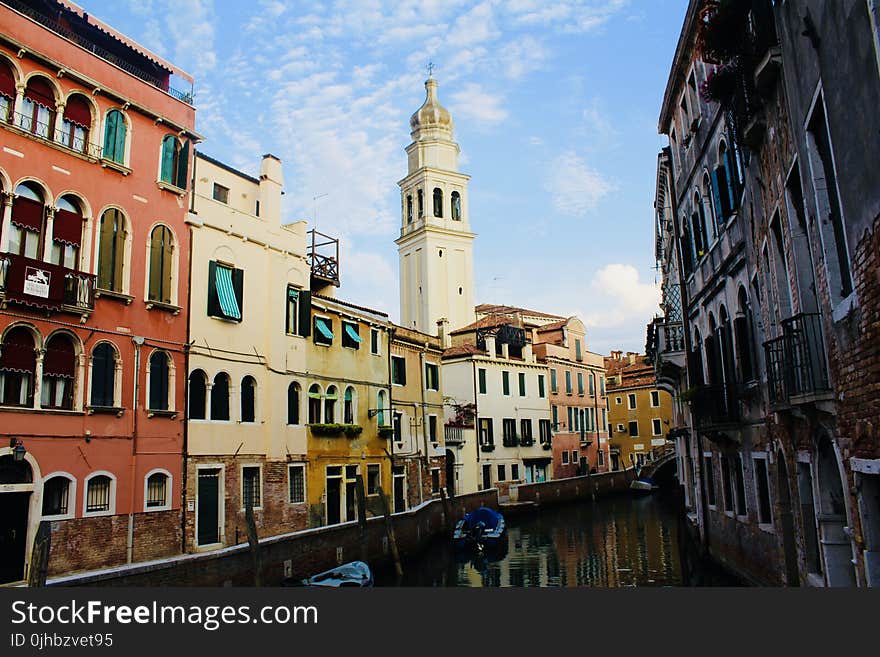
(575, 488)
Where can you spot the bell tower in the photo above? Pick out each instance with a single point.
(436, 246)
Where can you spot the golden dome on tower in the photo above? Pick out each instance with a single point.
(431, 115)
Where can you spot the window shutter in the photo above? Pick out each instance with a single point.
(156, 264)
(238, 286)
(105, 248)
(720, 188)
(716, 198)
(110, 135)
(119, 139)
(305, 313)
(182, 165)
(118, 252)
(168, 145)
(167, 254)
(732, 177)
(213, 300)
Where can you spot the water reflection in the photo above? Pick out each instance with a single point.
(616, 542)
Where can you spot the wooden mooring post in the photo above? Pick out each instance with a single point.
(445, 501)
(254, 543)
(389, 531)
(362, 517)
(40, 556)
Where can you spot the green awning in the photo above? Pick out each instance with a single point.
(292, 293)
(352, 333)
(323, 328)
(226, 293)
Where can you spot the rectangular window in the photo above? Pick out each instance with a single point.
(505, 383)
(398, 370)
(250, 486)
(592, 385)
(435, 481)
(655, 398)
(432, 428)
(580, 380)
(553, 386)
(570, 424)
(508, 427)
(574, 456)
(709, 478)
(567, 382)
(351, 336)
(631, 401)
(602, 385)
(296, 480)
(618, 400)
(656, 426)
(522, 384)
(555, 410)
(323, 333)
(565, 457)
(577, 350)
(292, 318)
(98, 494)
(739, 485)
(432, 376)
(541, 386)
(544, 431)
(481, 376)
(726, 489)
(487, 437)
(225, 291)
(374, 342)
(502, 472)
(514, 471)
(525, 436)
(221, 193)
(762, 487)
(634, 428)
(157, 491)
(374, 471)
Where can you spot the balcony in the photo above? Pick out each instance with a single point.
(454, 435)
(715, 406)
(796, 369)
(43, 285)
(25, 123)
(323, 256)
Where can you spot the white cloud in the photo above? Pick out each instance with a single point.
(522, 56)
(473, 102)
(619, 298)
(575, 188)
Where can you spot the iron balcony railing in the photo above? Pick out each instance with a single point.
(103, 53)
(46, 132)
(796, 360)
(42, 284)
(715, 405)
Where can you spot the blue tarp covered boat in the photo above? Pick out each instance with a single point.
(481, 528)
(356, 573)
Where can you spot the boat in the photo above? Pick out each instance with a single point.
(355, 573)
(482, 528)
(643, 485)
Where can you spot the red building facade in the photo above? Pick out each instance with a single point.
(95, 151)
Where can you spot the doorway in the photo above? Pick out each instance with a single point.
(831, 507)
(450, 473)
(786, 519)
(334, 494)
(399, 476)
(487, 477)
(208, 501)
(16, 479)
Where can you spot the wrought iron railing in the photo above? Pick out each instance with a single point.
(715, 405)
(47, 132)
(796, 360)
(73, 291)
(103, 53)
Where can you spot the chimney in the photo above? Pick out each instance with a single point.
(271, 182)
(616, 355)
(631, 357)
(443, 333)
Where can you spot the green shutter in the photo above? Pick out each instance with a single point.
(168, 145)
(110, 135)
(182, 165)
(305, 313)
(155, 293)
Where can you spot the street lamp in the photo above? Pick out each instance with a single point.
(18, 450)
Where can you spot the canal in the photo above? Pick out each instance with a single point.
(618, 541)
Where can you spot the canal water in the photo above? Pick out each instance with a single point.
(618, 541)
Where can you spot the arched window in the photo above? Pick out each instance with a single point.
(706, 194)
(456, 206)
(293, 401)
(724, 185)
(38, 108)
(7, 92)
(220, 397)
(198, 395)
(175, 161)
(380, 406)
(76, 123)
(409, 208)
(159, 378)
(28, 221)
(330, 398)
(248, 399)
(687, 249)
(421, 197)
(438, 202)
(67, 230)
(18, 364)
(349, 406)
(713, 364)
(725, 346)
(59, 371)
(161, 253)
(114, 137)
(743, 334)
(157, 493)
(100, 495)
(57, 496)
(103, 393)
(695, 366)
(111, 250)
(698, 228)
(314, 404)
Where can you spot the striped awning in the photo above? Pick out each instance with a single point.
(323, 327)
(352, 333)
(226, 293)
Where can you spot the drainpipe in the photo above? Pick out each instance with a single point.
(390, 408)
(129, 552)
(422, 362)
(476, 418)
(186, 352)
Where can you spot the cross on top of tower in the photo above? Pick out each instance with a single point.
(430, 69)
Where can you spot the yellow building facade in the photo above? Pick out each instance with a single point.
(639, 413)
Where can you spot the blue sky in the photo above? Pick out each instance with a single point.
(555, 106)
